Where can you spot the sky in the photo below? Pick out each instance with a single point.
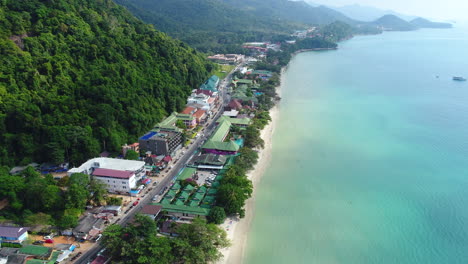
(439, 9)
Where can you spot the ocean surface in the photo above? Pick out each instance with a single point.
(370, 155)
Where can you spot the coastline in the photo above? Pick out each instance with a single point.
(238, 229)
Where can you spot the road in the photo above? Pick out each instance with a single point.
(89, 255)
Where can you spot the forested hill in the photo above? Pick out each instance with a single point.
(209, 25)
(81, 76)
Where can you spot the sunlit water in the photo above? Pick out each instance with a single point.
(370, 155)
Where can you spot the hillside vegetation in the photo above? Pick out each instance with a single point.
(80, 76)
(209, 25)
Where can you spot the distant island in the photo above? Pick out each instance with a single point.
(394, 23)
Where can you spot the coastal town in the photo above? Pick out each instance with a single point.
(174, 172)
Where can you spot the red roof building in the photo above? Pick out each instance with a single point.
(189, 110)
(113, 173)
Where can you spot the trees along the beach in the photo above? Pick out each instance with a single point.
(216, 215)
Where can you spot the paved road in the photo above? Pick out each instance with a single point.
(89, 255)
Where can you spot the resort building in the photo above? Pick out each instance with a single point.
(118, 175)
(205, 101)
(135, 147)
(209, 161)
(217, 145)
(239, 122)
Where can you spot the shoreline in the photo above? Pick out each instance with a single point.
(238, 229)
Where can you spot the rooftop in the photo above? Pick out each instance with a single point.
(109, 163)
(185, 209)
(222, 146)
(113, 173)
(151, 209)
(199, 113)
(188, 110)
(234, 121)
(221, 131)
(186, 174)
(11, 231)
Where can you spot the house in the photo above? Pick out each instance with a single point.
(135, 147)
(112, 209)
(200, 116)
(88, 227)
(151, 210)
(189, 110)
(231, 113)
(234, 105)
(13, 234)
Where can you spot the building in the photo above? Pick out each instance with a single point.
(200, 116)
(211, 84)
(116, 181)
(88, 227)
(217, 144)
(227, 58)
(209, 161)
(119, 175)
(184, 212)
(239, 122)
(112, 209)
(13, 234)
(164, 142)
(206, 101)
(135, 147)
(232, 112)
(188, 119)
(151, 210)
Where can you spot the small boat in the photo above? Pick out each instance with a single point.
(455, 78)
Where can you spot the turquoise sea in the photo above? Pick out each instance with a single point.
(370, 155)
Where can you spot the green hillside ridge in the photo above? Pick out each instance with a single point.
(209, 25)
(78, 77)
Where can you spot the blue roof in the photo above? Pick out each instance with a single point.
(149, 135)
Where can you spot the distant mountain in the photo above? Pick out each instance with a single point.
(424, 23)
(368, 13)
(393, 23)
(298, 11)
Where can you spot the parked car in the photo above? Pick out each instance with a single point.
(38, 242)
(49, 241)
(135, 203)
(48, 237)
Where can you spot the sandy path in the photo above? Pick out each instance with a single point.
(237, 230)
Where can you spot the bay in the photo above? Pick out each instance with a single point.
(369, 160)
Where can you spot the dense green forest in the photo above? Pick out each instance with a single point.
(33, 199)
(210, 25)
(81, 76)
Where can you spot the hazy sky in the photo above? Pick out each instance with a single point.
(440, 9)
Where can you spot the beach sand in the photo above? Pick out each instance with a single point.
(237, 230)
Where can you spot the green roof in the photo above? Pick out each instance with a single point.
(224, 146)
(202, 189)
(189, 188)
(179, 202)
(208, 200)
(185, 117)
(171, 194)
(35, 250)
(234, 121)
(165, 201)
(194, 203)
(176, 186)
(183, 196)
(210, 84)
(169, 121)
(198, 197)
(186, 173)
(185, 209)
(262, 72)
(242, 81)
(221, 131)
(51, 261)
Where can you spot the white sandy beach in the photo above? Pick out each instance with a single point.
(237, 230)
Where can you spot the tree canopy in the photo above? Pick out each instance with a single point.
(78, 77)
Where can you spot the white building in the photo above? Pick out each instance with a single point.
(206, 101)
(118, 175)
